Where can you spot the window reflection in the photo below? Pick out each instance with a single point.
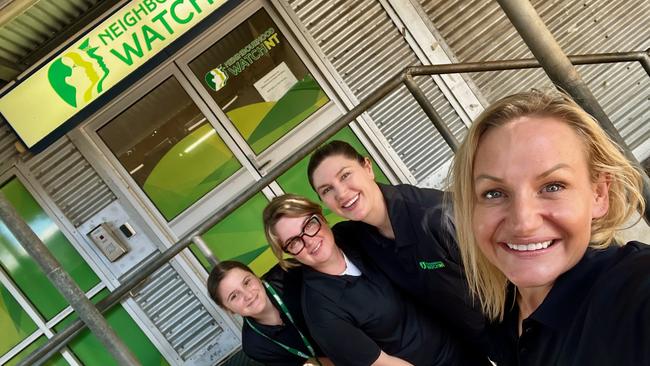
(259, 81)
(169, 148)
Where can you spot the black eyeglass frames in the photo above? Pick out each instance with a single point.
(296, 244)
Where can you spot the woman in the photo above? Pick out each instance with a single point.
(274, 331)
(539, 192)
(351, 309)
(405, 231)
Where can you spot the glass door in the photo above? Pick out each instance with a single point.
(260, 84)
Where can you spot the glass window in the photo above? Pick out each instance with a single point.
(169, 148)
(240, 237)
(258, 80)
(23, 269)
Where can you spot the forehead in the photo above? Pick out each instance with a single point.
(232, 280)
(529, 144)
(332, 164)
(287, 227)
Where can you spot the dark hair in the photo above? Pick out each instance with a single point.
(332, 148)
(217, 275)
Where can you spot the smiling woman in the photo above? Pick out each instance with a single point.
(274, 331)
(539, 192)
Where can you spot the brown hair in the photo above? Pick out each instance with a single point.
(217, 275)
(332, 148)
(287, 205)
(603, 156)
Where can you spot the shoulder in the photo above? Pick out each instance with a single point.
(414, 194)
(624, 287)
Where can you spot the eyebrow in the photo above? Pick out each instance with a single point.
(542, 175)
(337, 174)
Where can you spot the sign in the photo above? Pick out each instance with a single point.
(97, 62)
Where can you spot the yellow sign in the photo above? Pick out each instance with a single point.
(97, 62)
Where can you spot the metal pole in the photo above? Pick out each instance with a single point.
(564, 75)
(205, 250)
(430, 111)
(65, 284)
(62, 338)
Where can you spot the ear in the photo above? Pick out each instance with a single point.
(601, 195)
(367, 166)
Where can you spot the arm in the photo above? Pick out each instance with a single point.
(324, 361)
(387, 360)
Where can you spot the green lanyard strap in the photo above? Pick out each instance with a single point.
(284, 309)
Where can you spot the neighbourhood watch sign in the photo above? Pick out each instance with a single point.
(97, 62)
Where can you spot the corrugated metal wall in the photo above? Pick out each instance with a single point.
(478, 30)
(365, 47)
(70, 181)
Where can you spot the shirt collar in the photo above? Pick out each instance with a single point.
(331, 285)
(399, 214)
(571, 288)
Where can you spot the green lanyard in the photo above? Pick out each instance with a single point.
(284, 309)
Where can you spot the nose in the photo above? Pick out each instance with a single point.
(524, 215)
(310, 241)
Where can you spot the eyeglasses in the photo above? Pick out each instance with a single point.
(296, 244)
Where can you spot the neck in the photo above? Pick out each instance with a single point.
(270, 315)
(378, 216)
(529, 299)
(334, 266)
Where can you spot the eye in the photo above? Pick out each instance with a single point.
(325, 190)
(553, 187)
(232, 297)
(345, 175)
(490, 195)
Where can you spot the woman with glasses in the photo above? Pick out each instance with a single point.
(274, 331)
(352, 310)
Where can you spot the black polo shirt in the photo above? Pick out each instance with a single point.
(597, 313)
(288, 285)
(354, 318)
(423, 260)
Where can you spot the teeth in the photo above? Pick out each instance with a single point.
(531, 246)
(317, 247)
(351, 202)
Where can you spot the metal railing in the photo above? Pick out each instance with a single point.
(558, 66)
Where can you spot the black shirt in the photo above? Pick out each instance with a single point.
(423, 260)
(354, 318)
(597, 313)
(288, 286)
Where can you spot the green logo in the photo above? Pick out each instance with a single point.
(216, 79)
(78, 77)
(431, 265)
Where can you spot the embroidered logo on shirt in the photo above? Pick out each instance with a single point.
(431, 265)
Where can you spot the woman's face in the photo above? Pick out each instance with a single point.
(534, 200)
(318, 250)
(347, 187)
(243, 293)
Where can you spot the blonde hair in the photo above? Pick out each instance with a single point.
(604, 158)
(287, 205)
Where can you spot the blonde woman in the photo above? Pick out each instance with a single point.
(539, 192)
(353, 312)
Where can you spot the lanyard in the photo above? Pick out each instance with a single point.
(284, 309)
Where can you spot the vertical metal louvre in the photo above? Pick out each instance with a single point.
(70, 181)
(365, 47)
(8, 151)
(478, 30)
(177, 313)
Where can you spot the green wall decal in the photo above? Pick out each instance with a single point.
(23, 269)
(16, 325)
(189, 170)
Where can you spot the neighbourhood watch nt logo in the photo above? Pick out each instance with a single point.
(77, 77)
